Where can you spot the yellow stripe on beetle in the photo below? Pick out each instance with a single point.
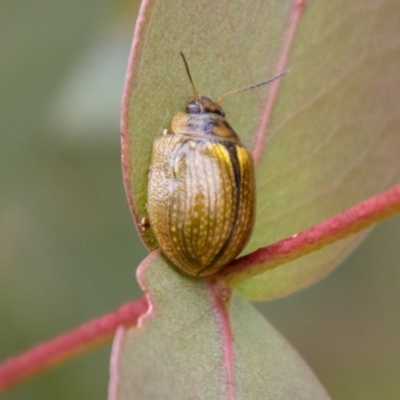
(201, 192)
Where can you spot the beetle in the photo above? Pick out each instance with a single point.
(201, 190)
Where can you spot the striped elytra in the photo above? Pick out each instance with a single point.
(201, 192)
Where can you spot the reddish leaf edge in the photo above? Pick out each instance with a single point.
(62, 348)
(126, 162)
(340, 226)
(298, 7)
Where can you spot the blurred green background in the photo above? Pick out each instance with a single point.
(68, 245)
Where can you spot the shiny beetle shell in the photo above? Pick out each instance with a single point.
(201, 193)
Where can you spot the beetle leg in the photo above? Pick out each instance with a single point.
(144, 223)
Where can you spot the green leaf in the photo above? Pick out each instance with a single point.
(192, 344)
(326, 140)
(221, 58)
(333, 138)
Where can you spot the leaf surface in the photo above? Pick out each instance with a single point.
(194, 345)
(325, 137)
(333, 139)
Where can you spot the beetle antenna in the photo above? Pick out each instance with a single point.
(195, 92)
(251, 86)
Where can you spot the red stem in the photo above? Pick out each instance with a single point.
(95, 332)
(338, 227)
(68, 345)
